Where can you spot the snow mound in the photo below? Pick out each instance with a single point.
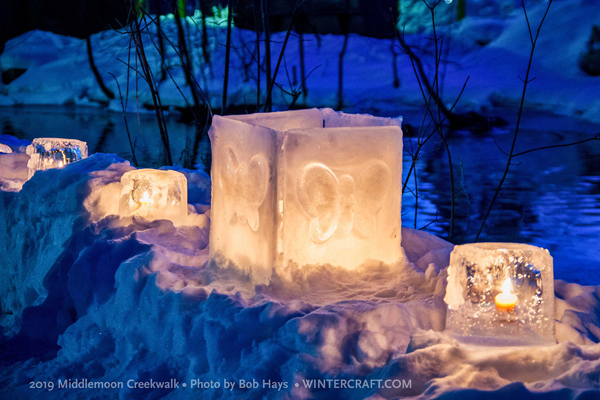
(88, 295)
(13, 166)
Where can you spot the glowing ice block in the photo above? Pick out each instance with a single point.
(5, 149)
(49, 153)
(154, 194)
(305, 187)
(501, 294)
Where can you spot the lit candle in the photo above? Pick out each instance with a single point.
(506, 300)
(145, 198)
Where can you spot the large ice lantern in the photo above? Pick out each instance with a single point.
(49, 153)
(500, 294)
(154, 194)
(5, 149)
(305, 187)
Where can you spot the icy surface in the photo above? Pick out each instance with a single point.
(154, 194)
(13, 164)
(243, 195)
(13, 171)
(305, 187)
(341, 196)
(88, 295)
(480, 272)
(49, 153)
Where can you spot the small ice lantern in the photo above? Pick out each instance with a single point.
(305, 187)
(49, 153)
(500, 294)
(5, 149)
(154, 194)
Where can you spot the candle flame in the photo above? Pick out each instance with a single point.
(145, 198)
(506, 286)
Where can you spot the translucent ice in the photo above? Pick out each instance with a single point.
(5, 149)
(244, 186)
(154, 194)
(500, 294)
(305, 187)
(49, 153)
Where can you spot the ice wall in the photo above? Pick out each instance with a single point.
(305, 187)
(482, 276)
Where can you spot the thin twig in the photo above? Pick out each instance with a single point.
(514, 142)
(227, 51)
(287, 36)
(135, 163)
(597, 137)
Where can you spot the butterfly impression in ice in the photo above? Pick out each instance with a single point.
(244, 187)
(342, 204)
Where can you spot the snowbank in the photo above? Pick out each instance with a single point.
(13, 166)
(492, 50)
(87, 295)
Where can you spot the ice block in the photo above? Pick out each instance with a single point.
(154, 194)
(305, 187)
(500, 294)
(49, 153)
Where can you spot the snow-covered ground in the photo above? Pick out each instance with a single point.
(88, 297)
(58, 71)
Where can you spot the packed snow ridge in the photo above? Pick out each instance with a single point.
(88, 295)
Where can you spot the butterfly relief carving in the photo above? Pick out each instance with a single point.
(343, 204)
(244, 186)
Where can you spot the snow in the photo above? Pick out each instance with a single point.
(492, 49)
(88, 295)
(13, 165)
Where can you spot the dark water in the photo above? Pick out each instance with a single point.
(551, 198)
(105, 132)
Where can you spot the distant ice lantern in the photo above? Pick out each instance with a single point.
(5, 149)
(448, 1)
(49, 153)
(154, 194)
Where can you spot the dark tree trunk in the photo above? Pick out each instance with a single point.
(205, 52)
(267, 36)
(184, 54)
(161, 50)
(258, 69)
(227, 52)
(302, 68)
(107, 92)
(461, 9)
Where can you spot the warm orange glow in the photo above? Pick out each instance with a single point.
(145, 199)
(506, 301)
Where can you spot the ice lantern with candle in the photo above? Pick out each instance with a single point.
(154, 194)
(500, 294)
(49, 153)
(305, 187)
